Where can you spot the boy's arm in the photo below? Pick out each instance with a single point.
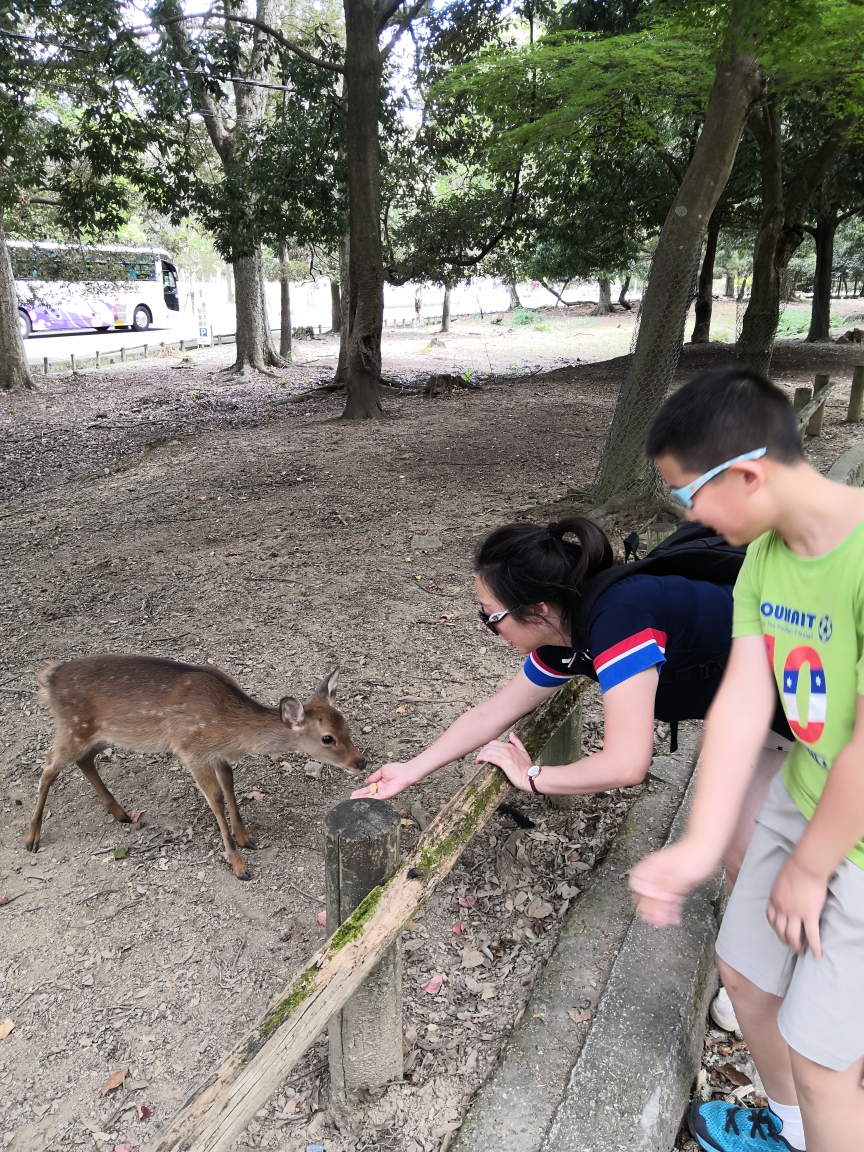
(837, 825)
(734, 734)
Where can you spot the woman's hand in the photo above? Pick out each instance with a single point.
(795, 907)
(391, 779)
(510, 757)
(661, 881)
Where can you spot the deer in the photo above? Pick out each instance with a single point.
(195, 711)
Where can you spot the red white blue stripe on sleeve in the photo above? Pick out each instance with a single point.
(542, 675)
(629, 657)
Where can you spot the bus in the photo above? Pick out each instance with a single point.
(67, 287)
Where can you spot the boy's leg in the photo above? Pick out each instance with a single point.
(832, 1105)
(757, 1018)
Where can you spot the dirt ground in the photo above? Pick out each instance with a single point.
(166, 510)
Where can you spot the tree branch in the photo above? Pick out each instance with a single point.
(386, 13)
(404, 23)
(265, 28)
(558, 296)
(819, 166)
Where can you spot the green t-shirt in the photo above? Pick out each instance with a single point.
(810, 609)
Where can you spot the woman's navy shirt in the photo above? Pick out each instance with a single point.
(667, 622)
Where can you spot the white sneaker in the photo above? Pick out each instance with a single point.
(722, 1012)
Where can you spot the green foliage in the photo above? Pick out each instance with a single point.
(523, 316)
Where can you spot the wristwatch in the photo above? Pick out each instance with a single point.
(533, 771)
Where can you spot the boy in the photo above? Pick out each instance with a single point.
(791, 947)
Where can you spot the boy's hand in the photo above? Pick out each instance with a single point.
(661, 881)
(796, 904)
(391, 779)
(510, 757)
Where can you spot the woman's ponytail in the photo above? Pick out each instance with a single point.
(528, 564)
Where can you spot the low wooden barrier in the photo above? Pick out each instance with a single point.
(218, 1110)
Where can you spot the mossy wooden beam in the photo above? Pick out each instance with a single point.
(218, 1110)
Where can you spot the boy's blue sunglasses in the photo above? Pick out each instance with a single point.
(685, 495)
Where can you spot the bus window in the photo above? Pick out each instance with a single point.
(169, 286)
(141, 268)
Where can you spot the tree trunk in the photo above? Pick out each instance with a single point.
(445, 309)
(705, 291)
(14, 372)
(820, 315)
(418, 306)
(622, 295)
(254, 343)
(781, 229)
(366, 266)
(335, 306)
(229, 281)
(515, 302)
(730, 286)
(604, 302)
(341, 374)
(759, 326)
(284, 305)
(666, 297)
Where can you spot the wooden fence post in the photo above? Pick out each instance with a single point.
(361, 852)
(856, 396)
(803, 396)
(814, 428)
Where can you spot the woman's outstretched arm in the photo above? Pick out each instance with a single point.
(473, 728)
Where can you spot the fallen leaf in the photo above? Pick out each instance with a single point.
(467, 901)
(488, 992)
(115, 1080)
(133, 815)
(541, 912)
(402, 708)
(230, 553)
(121, 851)
(474, 985)
(433, 986)
(734, 1074)
(87, 981)
(5, 1028)
(254, 795)
(141, 993)
(143, 1111)
(460, 928)
(322, 919)
(580, 1017)
(122, 1148)
(472, 959)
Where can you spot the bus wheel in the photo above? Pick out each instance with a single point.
(141, 319)
(24, 325)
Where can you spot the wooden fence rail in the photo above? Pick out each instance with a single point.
(218, 1110)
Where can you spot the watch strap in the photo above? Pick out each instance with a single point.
(531, 774)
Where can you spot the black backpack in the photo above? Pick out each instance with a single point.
(695, 552)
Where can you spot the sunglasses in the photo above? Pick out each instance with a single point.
(490, 619)
(685, 495)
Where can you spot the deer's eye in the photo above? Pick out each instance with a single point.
(326, 739)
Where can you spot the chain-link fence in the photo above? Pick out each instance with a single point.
(658, 337)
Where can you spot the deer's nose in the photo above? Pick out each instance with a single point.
(361, 765)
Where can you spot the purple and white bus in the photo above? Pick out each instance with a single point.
(63, 287)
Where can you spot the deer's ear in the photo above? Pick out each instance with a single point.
(291, 711)
(327, 688)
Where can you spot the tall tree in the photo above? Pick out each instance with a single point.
(786, 199)
(840, 198)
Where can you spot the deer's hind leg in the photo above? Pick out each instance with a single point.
(59, 755)
(225, 775)
(87, 764)
(205, 776)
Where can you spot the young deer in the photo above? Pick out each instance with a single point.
(195, 711)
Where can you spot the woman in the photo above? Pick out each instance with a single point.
(638, 633)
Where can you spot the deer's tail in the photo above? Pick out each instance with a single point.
(45, 680)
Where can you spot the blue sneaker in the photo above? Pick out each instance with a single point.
(721, 1127)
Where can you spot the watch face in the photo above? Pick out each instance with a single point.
(533, 770)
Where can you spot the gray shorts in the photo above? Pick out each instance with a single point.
(822, 1015)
